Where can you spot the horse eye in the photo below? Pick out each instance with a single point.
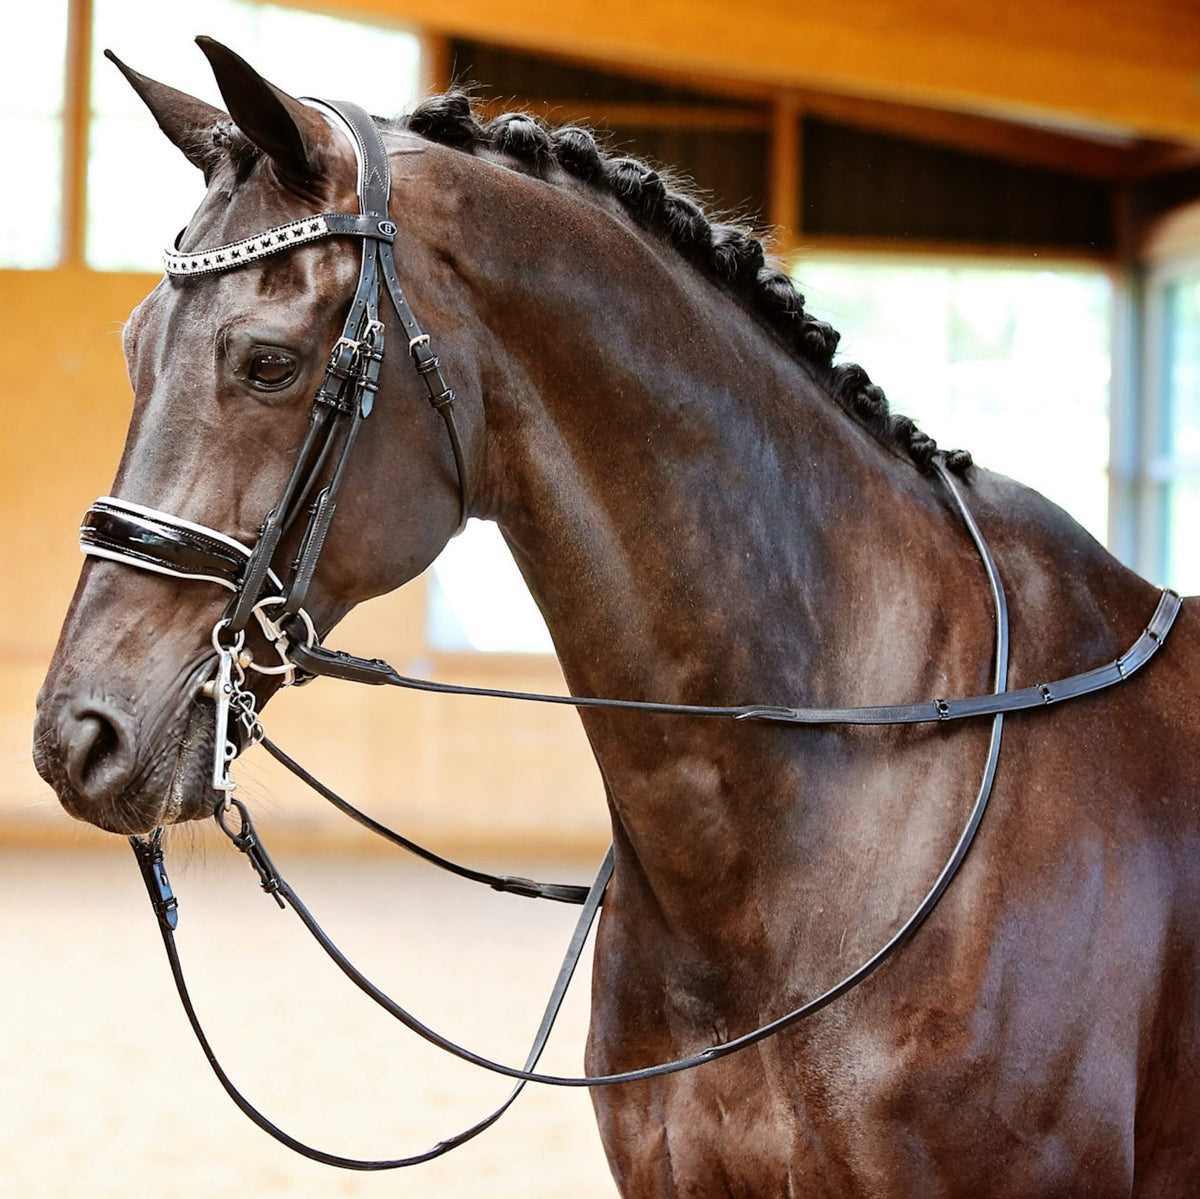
(272, 368)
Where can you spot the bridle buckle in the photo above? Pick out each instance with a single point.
(345, 358)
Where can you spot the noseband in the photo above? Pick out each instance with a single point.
(162, 543)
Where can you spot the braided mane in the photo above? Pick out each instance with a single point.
(727, 253)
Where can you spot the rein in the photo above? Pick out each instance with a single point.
(157, 541)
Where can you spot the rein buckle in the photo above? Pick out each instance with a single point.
(245, 839)
(345, 358)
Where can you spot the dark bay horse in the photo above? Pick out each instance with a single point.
(707, 510)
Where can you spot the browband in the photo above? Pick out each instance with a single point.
(274, 241)
(162, 543)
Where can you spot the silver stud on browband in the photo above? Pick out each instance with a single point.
(248, 249)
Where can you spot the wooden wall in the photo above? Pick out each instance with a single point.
(816, 171)
(769, 106)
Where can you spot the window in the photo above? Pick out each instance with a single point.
(1171, 483)
(31, 131)
(478, 600)
(141, 190)
(1012, 364)
(1179, 468)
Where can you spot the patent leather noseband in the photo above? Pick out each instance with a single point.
(163, 544)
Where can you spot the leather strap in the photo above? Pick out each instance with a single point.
(511, 884)
(164, 544)
(161, 543)
(347, 393)
(246, 840)
(1038, 696)
(218, 259)
(318, 660)
(428, 366)
(148, 852)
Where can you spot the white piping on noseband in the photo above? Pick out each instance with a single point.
(155, 521)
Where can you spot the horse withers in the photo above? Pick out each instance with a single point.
(708, 511)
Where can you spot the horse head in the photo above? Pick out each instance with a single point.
(224, 368)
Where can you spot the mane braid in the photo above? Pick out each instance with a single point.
(728, 253)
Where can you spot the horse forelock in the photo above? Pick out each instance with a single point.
(241, 152)
(727, 252)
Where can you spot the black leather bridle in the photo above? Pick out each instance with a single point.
(153, 540)
(161, 542)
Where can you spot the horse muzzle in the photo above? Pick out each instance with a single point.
(107, 770)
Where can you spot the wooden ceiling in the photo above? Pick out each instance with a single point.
(1126, 70)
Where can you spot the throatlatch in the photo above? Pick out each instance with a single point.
(273, 595)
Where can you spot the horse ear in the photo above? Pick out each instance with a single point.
(188, 122)
(286, 130)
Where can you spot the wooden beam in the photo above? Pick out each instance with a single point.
(1109, 159)
(1112, 160)
(1116, 158)
(783, 185)
(435, 63)
(1158, 158)
(76, 120)
(1124, 65)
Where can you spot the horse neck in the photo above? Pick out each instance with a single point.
(696, 519)
(699, 523)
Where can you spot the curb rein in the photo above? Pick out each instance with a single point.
(160, 542)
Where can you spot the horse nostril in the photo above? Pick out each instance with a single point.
(99, 754)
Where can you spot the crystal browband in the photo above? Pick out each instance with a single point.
(162, 543)
(274, 240)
